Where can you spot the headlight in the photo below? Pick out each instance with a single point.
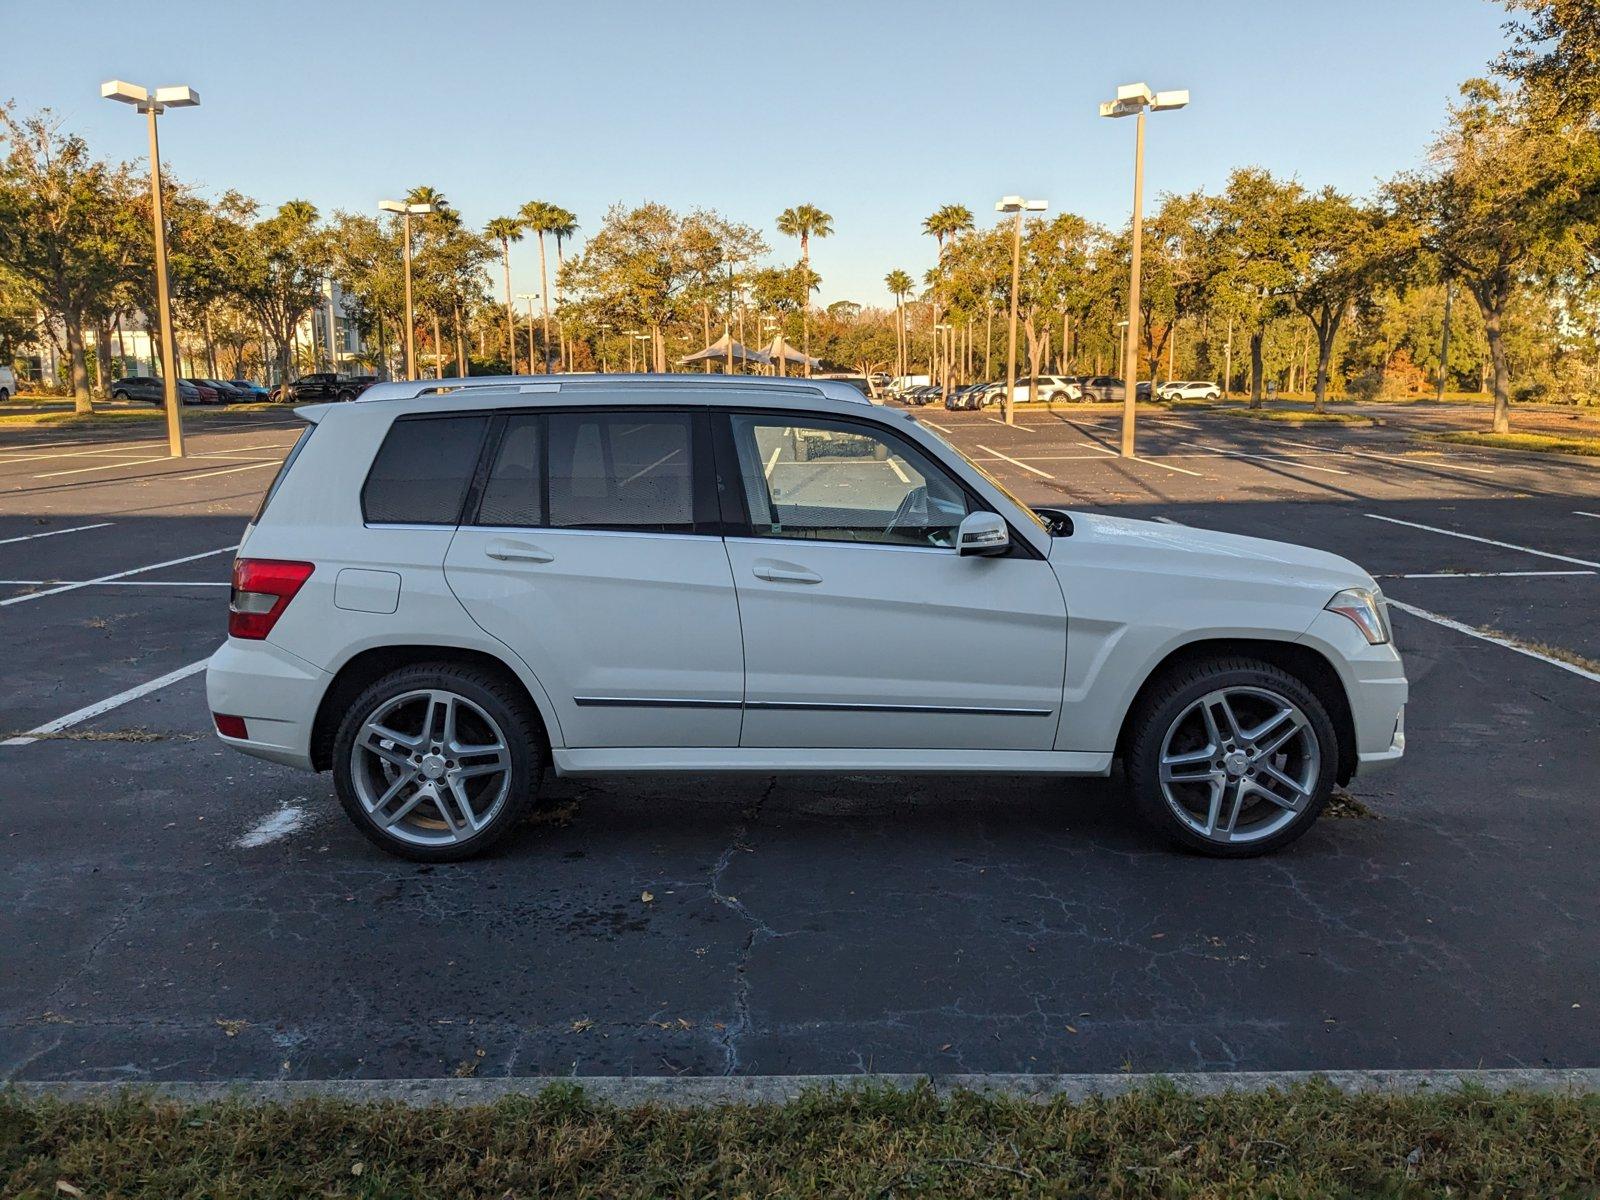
(1366, 609)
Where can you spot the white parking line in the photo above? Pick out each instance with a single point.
(1272, 458)
(1578, 512)
(1485, 635)
(28, 537)
(936, 425)
(1470, 537)
(898, 473)
(110, 466)
(1099, 447)
(1024, 428)
(68, 587)
(1168, 466)
(773, 461)
(1016, 462)
(1482, 574)
(226, 583)
(1396, 458)
(255, 466)
(89, 712)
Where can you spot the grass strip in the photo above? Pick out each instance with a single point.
(1543, 443)
(1299, 416)
(1309, 1140)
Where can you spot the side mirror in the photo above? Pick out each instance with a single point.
(983, 533)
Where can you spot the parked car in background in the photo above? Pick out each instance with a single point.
(147, 388)
(1141, 390)
(972, 396)
(1103, 388)
(8, 383)
(252, 390)
(1191, 389)
(226, 392)
(1056, 389)
(925, 393)
(444, 599)
(207, 393)
(323, 385)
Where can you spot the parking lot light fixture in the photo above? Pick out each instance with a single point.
(1132, 100)
(1016, 205)
(407, 211)
(153, 106)
(530, 297)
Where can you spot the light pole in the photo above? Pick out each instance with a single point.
(407, 211)
(605, 353)
(530, 297)
(1017, 205)
(644, 359)
(1132, 99)
(153, 106)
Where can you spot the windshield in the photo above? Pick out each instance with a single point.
(998, 486)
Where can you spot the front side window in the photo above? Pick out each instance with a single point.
(812, 478)
(422, 470)
(593, 470)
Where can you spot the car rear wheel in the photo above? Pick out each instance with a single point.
(438, 762)
(1231, 757)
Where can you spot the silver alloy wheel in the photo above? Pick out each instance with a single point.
(1239, 764)
(430, 767)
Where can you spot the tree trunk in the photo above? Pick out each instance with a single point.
(1324, 357)
(438, 349)
(77, 363)
(1502, 375)
(461, 345)
(1256, 340)
(805, 303)
(544, 299)
(102, 360)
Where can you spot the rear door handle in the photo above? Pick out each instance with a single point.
(506, 550)
(782, 572)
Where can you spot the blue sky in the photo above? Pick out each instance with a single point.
(878, 111)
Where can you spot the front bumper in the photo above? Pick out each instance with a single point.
(1374, 684)
(277, 694)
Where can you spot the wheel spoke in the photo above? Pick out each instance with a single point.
(1255, 735)
(396, 754)
(1282, 739)
(1219, 788)
(1301, 792)
(469, 818)
(1231, 728)
(1234, 809)
(417, 797)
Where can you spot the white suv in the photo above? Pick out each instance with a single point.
(445, 593)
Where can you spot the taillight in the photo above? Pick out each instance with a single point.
(262, 589)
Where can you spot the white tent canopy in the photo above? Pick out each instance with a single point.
(782, 349)
(724, 348)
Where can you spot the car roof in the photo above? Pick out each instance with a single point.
(509, 391)
(478, 386)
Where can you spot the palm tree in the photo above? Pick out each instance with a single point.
(947, 221)
(899, 284)
(506, 230)
(805, 221)
(566, 225)
(542, 217)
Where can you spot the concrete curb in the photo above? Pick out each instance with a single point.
(702, 1090)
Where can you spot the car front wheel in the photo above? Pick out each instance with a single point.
(437, 762)
(1231, 757)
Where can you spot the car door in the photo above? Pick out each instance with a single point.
(594, 551)
(862, 625)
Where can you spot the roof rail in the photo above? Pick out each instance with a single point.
(407, 389)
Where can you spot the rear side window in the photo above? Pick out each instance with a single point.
(594, 470)
(422, 470)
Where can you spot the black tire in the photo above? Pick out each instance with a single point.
(120, 395)
(501, 700)
(346, 396)
(1167, 700)
(4, 395)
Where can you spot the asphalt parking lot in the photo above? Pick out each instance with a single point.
(170, 910)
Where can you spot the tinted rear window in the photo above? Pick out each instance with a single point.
(422, 470)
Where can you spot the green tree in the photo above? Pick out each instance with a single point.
(1514, 194)
(62, 227)
(506, 230)
(542, 217)
(899, 285)
(283, 262)
(1556, 51)
(805, 221)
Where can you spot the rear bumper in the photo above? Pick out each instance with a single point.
(277, 694)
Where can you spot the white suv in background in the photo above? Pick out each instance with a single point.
(1188, 389)
(446, 592)
(8, 384)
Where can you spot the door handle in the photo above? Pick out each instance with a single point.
(781, 572)
(503, 550)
